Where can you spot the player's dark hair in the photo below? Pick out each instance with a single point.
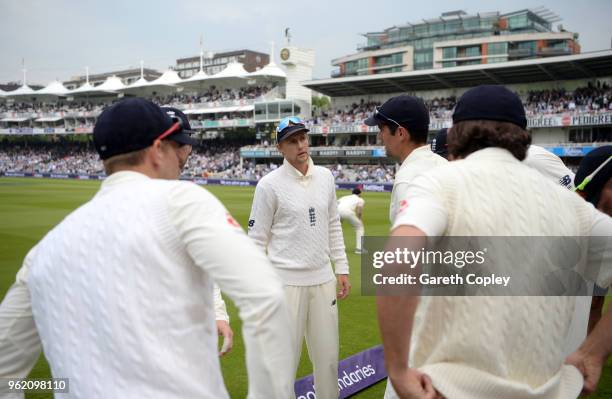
(467, 137)
(416, 137)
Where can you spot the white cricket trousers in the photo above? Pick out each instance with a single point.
(313, 313)
(357, 225)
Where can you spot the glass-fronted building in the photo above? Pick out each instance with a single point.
(462, 39)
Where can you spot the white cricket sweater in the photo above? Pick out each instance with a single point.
(496, 347)
(122, 295)
(349, 204)
(295, 217)
(420, 160)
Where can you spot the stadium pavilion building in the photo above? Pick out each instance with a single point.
(234, 102)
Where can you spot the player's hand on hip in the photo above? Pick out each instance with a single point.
(344, 286)
(412, 384)
(590, 366)
(225, 330)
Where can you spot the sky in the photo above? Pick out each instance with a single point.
(58, 39)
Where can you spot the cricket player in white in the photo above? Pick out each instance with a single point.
(121, 291)
(350, 208)
(404, 122)
(295, 218)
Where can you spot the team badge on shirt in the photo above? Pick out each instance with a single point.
(403, 205)
(230, 219)
(312, 216)
(565, 181)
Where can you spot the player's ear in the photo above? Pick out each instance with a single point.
(404, 133)
(155, 152)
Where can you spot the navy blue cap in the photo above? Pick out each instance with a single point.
(407, 111)
(130, 125)
(591, 161)
(439, 144)
(289, 126)
(182, 136)
(490, 102)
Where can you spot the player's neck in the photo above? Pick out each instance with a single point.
(407, 150)
(301, 167)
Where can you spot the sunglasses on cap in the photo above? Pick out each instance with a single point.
(288, 121)
(590, 177)
(380, 115)
(177, 126)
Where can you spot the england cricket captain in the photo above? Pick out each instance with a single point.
(294, 217)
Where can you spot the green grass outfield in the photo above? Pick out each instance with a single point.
(31, 207)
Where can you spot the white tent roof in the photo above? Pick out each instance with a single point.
(201, 75)
(15, 119)
(86, 88)
(112, 83)
(49, 119)
(22, 91)
(237, 108)
(269, 70)
(232, 70)
(197, 80)
(2, 93)
(168, 78)
(142, 82)
(54, 88)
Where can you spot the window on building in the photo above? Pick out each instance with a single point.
(494, 60)
(527, 48)
(260, 111)
(497, 48)
(406, 33)
(471, 23)
(273, 110)
(422, 57)
(518, 21)
(487, 23)
(373, 41)
(449, 52)
(472, 51)
(469, 62)
(436, 28)
(286, 109)
(350, 67)
(428, 43)
(391, 59)
(447, 64)
(453, 26)
(420, 30)
(362, 64)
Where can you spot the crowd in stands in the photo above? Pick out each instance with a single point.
(210, 96)
(68, 158)
(356, 113)
(584, 99)
(216, 160)
(592, 98)
(60, 106)
(214, 95)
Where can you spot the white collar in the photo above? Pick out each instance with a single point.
(416, 154)
(296, 173)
